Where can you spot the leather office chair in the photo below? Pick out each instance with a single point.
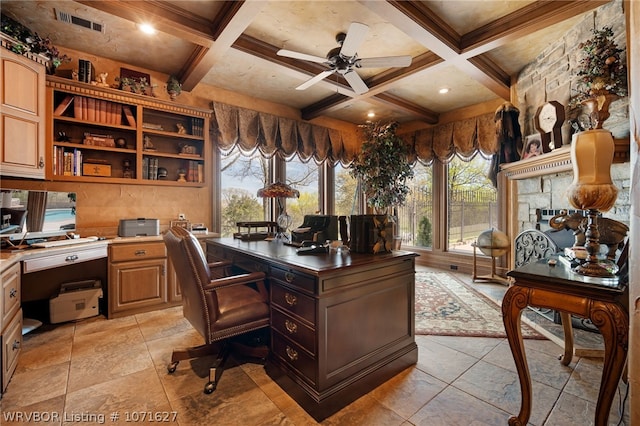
(220, 309)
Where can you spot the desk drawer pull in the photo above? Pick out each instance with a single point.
(290, 299)
(292, 354)
(289, 276)
(291, 326)
(13, 293)
(140, 252)
(71, 258)
(16, 345)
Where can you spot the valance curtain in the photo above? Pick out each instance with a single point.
(250, 130)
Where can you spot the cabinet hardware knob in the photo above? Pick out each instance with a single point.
(71, 258)
(13, 292)
(16, 345)
(291, 326)
(41, 163)
(289, 277)
(290, 299)
(140, 252)
(292, 354)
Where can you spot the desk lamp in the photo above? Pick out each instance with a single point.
(279, 190)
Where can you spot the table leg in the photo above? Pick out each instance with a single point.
(612, 321)
(567, 329)
(514, 301)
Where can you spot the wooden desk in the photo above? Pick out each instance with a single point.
(603, 300)
(341, 323)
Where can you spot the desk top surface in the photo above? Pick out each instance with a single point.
(315, 263)
(561, 278)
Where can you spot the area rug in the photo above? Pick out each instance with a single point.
(446, 306)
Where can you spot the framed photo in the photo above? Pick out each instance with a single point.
(135, 81)
(182, 224)
(532, 146)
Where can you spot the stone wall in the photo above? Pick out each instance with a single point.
(551, 78)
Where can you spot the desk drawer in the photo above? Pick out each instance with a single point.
(11, 348)
(293, 302)
(126, 252)
(10, 285)
(295, 279)
(294, 330)
(295, 357)
(68, 257)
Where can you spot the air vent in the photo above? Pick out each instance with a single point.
(81, 22)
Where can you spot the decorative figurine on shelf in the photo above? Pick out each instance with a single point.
(126, 169)
(174, 88)
(181, 175)
(74, 74)
(121, 143)
(148, 146)
(102, 80)
(181, 129)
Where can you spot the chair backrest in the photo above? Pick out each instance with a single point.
(532, 245)
(190, 263)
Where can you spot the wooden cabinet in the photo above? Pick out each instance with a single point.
(137, 277)
(22, 116)
(99, 134)
(10, 323)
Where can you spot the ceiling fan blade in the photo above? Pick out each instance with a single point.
(303, 56)
(384, 62)
(355, 37)
(314, 80)
(355, 82)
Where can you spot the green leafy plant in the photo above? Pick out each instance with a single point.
(383, 166)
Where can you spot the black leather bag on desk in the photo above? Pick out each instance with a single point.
(316, 228)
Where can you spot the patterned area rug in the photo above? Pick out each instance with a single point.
(446, 306)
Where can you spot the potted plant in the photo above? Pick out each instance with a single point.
(174, 88)
(602, 77)
(382, 167)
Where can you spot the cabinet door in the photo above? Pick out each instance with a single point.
(175, 294)
(11, 348)
(137, 285)
(22, 126)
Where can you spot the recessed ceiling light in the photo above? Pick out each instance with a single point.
(444, 90)
(147, 28)
(371, 114)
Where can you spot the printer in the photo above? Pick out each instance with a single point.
(138, 227)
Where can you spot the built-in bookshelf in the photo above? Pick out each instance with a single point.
(101, 134)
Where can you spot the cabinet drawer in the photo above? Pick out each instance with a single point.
(11, 348)
(10, 294)
(294, 330)
(125, 252)
(294, 357)
(67, 257)
(294, 278)
(293, 302)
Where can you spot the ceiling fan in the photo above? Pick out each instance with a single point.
(344, 59)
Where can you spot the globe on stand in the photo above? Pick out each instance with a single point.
(491, 243)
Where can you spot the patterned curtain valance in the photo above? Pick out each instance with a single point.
(250, 130)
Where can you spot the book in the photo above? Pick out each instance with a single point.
(129, 115)
(77, 108)
(62, 107)
(91, 109)
(102, 107)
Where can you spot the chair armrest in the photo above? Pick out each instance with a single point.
(219, 264)
(241, 279)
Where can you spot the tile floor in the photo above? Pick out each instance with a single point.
(81, 373)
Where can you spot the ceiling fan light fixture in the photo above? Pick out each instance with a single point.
(444, 90)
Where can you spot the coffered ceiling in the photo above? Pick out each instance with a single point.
(471, 47)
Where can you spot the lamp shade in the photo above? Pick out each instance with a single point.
(278, 189)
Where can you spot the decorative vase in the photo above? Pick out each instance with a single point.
(592, 190)
(598, 108)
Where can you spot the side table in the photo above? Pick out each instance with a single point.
(605, 301)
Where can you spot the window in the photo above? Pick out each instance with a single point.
(305, 177)
(345, 187)
(471, 202)
(415, 218)
(241, 176)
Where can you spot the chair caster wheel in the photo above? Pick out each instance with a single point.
(172, 367)
(209, 387)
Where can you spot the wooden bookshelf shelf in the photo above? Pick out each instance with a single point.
(139, 139)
